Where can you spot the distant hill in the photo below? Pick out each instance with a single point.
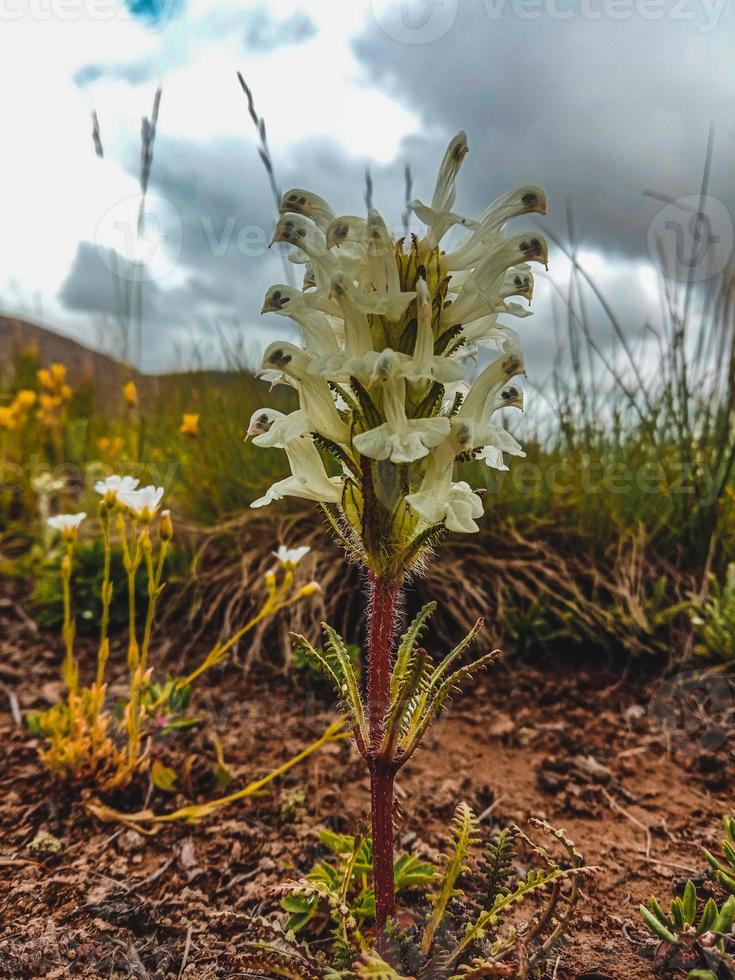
(83, 364)
(103, 372)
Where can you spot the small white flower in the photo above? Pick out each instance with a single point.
(290, 557)
(68, 524)
(144, 503)
(45, 484)
(114, 485)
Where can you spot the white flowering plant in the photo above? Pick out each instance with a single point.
(389, 328)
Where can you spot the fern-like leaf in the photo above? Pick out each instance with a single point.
(464, 834)
(409, 643)
(371, 965)
(335, 664)
(437, 704)
(498, 868)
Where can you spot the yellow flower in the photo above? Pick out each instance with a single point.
(25, 399)
(44, 378)
(130, 394)
(110, 446)
(189, 425)
(48, 402)
(65, 393)
(58, 373)
(8, 420)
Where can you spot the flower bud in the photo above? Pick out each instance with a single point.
(165, 526)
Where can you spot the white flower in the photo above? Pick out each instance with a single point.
(309, 479)
(114, 485)
(144, 503)
(389, 329)
(314, 393)
(45, 484)
(316, 330)
(271, 428)
(456, 505)
(400, 439)
(68, 524)
(290, 557)
(439, 216)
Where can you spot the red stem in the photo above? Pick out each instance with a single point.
(383, 596)
(381, 806)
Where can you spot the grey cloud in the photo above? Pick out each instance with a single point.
(594, 110)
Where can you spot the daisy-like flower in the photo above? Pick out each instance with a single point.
(67, 524)
(290, 557)
(143, 503)
(387, 326)
(113, 486)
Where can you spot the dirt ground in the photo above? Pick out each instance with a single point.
(580, 747)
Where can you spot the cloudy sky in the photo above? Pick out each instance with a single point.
(599, 101)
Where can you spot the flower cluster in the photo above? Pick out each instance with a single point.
(388, 329)
(55, 393)
(14, 415)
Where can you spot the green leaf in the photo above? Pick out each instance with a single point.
(660, 914)
(163, 777)
(677, 913)
(726, 918)
(408, 644)
(709, 917)
(301, 909)
(689, 903)
(410, 872)
(463, 836)
(337, 843)
(657, 927)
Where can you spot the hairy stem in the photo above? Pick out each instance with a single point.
(383, 597)
(381, 807)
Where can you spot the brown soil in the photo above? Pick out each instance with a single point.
(573, 744)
